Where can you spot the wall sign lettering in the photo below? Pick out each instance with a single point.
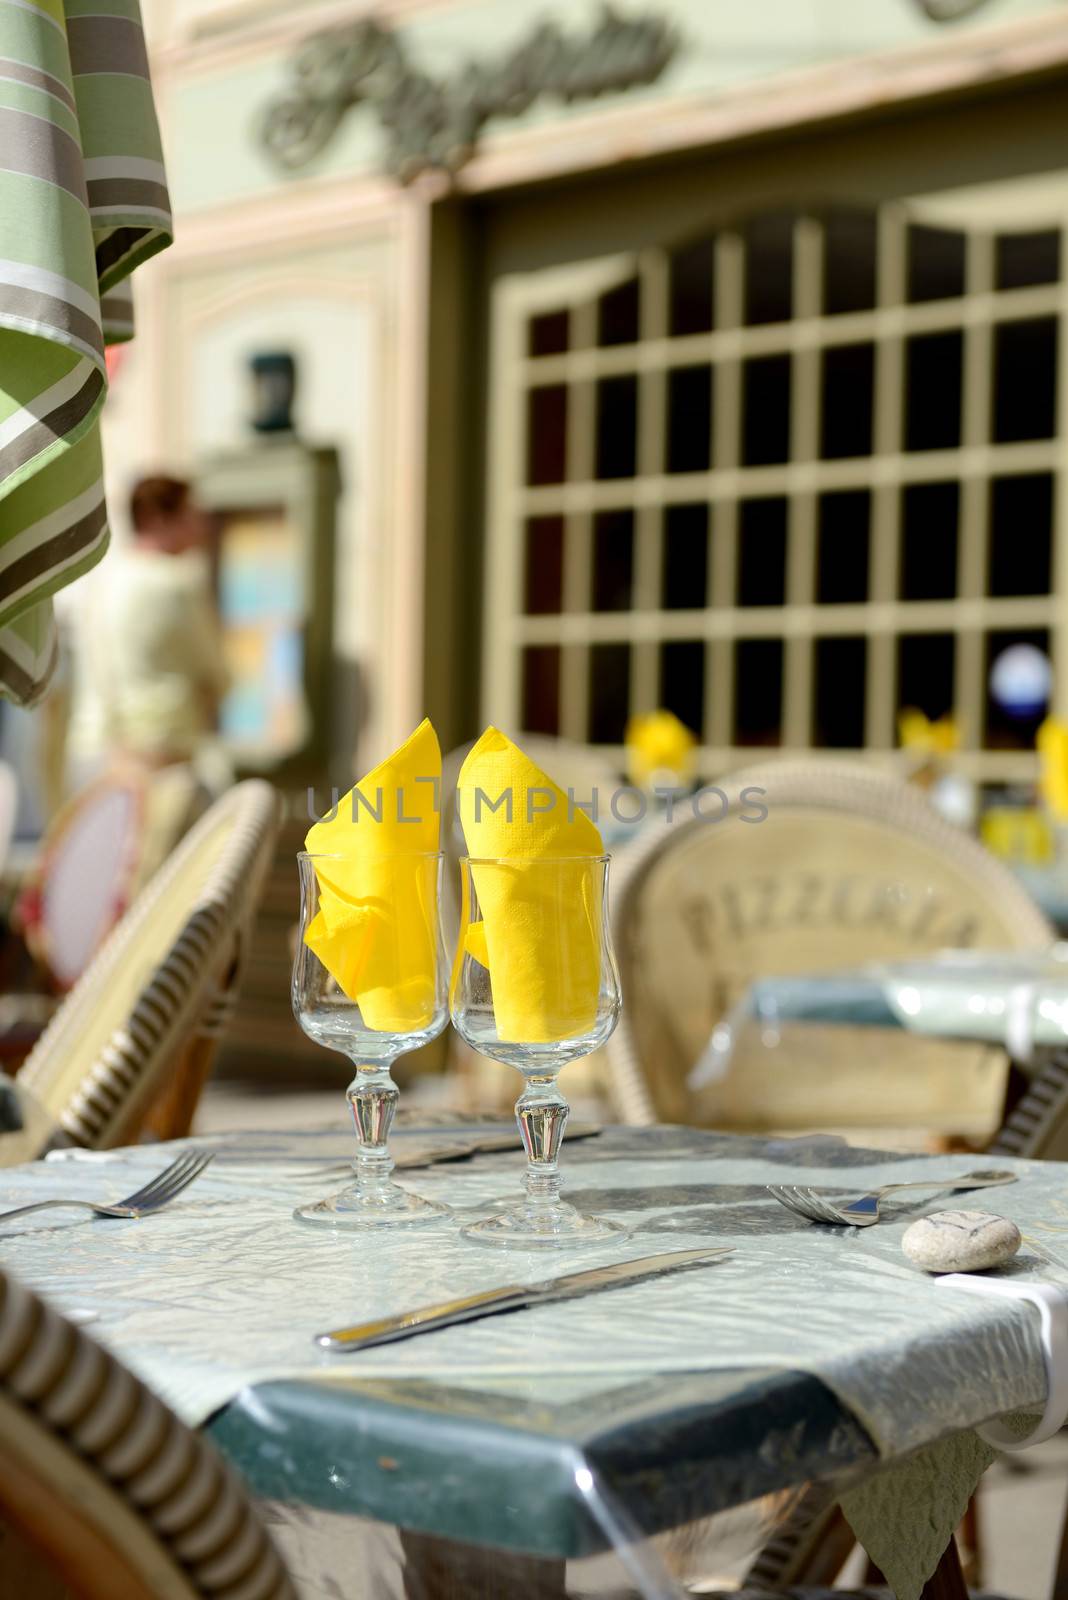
(433, 123)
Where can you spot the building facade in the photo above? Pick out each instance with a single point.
(686, 354)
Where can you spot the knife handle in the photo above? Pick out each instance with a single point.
(426, 1318)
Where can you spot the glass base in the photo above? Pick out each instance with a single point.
(558, 1227)
(387, 1207)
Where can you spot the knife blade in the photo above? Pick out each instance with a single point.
(512, 1297)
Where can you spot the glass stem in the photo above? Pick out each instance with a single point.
(372, 1097)
(542, 1112)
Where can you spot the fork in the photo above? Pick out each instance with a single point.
(863, 1212)
(153, 1196)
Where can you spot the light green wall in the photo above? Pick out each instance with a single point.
(213, 154)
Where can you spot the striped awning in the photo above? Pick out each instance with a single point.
(83, 200)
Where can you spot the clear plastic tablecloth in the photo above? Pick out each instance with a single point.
(808, 1352)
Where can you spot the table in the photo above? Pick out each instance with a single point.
(1015, 999)
(1049, 887)
(680, 1398)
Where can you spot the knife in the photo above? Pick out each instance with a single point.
(512, 1297)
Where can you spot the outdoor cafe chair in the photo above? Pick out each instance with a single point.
(850, 865)
(134, 1040)
(99, 851)
(97, 855)
(104, 1492)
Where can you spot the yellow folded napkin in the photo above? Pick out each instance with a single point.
(375, 931)
(540, 935)
(657, 742)
(1052, 745)
(919, 733)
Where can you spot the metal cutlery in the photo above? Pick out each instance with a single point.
(152, 1196)
(512, 1297)
(864, 1211)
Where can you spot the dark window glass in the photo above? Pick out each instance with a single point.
(766, 411)
(1014, 729)
(841, 675)
(549, 334)
(933, 376)
(1025, 379)
(848, 378)
(769, 256)
(1024, 259)
(691, 299)
(758, 692)
(762, 552)
(685, 558)
(544, 588)
(609, 692)
(925, 672)
(844, 546)
(541, 688)
(682, 681)
(849, 241)
(613, 560)
(547, 434)
(618, 313)
(689, 419)
(1021, 528)
(935, 264)
(930, 514)
(617, 427)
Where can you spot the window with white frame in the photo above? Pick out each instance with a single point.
(784, 479)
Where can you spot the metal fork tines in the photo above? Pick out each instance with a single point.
(863, 1211)
(805, 1203)
(152, 1196)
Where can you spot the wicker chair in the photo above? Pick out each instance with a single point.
(144, 1018)
(98, 854)
(104, 1493)
(848, 866)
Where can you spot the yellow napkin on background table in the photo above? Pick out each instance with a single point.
(657, 742)
(923, 736)
(376, 929)
(540, 935)
(1052, 744)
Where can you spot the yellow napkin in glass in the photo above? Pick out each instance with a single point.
(1052, 745)
(656, 742)
(375, 931)
(540, 935)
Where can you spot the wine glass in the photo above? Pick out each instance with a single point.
(535, 986)
(402, 1014)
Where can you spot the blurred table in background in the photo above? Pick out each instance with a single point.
(1015, 999)
(1048, 886)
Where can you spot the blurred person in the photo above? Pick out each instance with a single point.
(153, 645)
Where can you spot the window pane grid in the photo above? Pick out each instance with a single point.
(1059, 531)
(943, 316)
(683, 407)
(653, 276)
